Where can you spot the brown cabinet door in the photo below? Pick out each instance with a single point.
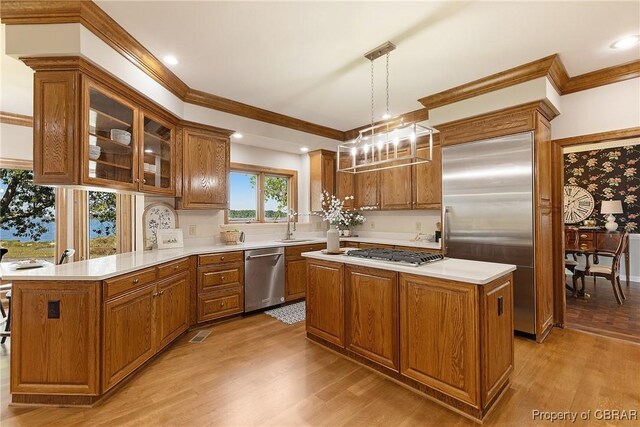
(429, 311)
(128, 334)
(56, 130)
(427, 180)
(325, 301)
(157, 154)
(497, 336)
(345, 185)
(172, 308)
(205, 170)
(395, 188)
(366, 184)
(371, 314)
(322, 165)
(544, 272)
(296, 279)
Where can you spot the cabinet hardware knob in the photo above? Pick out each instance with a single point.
(137, 180)
(136, 281)
(221, 304)
(161, 292)
(144, 181)
(221, 277)
(221, 258)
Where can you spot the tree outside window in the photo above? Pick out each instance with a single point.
(102, 224)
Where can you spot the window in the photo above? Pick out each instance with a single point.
(102, 224)
(27, 216)
(259, 194)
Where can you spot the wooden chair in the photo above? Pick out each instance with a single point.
(611, 273)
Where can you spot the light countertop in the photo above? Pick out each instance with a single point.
(475, 272)
(115, 265)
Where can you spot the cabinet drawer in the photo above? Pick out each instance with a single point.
(122, 284)
(175, 267)
(296, 251)
(214, 305)
(220, 258)
(585, 236)
(211, 278)
(349, 244)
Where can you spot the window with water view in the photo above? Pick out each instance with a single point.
(27, 217)
(102, 224)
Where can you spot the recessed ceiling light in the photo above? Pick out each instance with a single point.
(170, 60)
(148, 150)
(304, 149)
(237, 135)
(386, 116)
(626, 42)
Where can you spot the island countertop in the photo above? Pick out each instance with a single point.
(460, 270)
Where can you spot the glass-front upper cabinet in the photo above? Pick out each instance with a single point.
(156, 168)
(111, 154)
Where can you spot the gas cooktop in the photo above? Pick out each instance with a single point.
(395, 255)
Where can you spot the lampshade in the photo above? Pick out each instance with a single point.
(611, 207)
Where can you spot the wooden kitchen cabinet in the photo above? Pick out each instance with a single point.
(371, 315)
(157, 153)
(172, 308)
(322, 176)
(345, 185)
(396, 187)
(205, 169)
(295, 284)
(367, 189)
(325, 301)
(220, 287)
(128, 334)
(427, 180)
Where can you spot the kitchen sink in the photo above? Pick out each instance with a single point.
(295, 240)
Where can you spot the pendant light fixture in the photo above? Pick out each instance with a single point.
(390, 144)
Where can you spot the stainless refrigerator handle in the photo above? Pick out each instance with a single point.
(445, 234)
(262, 256)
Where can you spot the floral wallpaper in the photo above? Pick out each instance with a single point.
(608, 174)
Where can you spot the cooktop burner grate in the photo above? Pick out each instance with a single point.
(396, 255)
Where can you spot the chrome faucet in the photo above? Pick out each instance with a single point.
(289, 235)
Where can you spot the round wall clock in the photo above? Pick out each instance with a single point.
(578, 204)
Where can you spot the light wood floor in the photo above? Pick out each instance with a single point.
(258, 371)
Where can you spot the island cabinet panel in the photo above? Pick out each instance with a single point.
(325, 301)
(128, 335)
(439, 335)
(371, 314)
(205, 170)
(497, 337)
(172, 308)
(55, 354)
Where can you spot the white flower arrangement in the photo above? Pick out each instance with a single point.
(334, 212)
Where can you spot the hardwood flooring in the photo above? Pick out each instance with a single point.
(601, 314)
(259, 371)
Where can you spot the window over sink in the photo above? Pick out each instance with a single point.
(261, 195)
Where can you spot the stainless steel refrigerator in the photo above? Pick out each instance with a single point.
(488, 215)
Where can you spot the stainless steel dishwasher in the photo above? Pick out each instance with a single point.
(263, 278)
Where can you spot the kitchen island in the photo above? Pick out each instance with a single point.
(444, 328)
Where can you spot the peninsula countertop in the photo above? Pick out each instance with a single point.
(115, 265)
(460, 270)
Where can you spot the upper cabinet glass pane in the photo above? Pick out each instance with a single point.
(110, 138)
(158, 140)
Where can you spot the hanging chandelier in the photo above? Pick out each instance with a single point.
(390, 144)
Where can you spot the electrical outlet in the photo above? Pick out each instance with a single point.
(418, 226)
(372, 225)
(193, 230)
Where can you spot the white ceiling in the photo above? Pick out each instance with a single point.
(305, 59)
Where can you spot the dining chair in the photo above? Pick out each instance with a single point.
(611, 273)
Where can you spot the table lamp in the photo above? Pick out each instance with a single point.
(611, 207)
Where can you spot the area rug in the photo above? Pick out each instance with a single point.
(289, 314)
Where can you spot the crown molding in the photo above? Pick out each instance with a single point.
(239, 109)
(108, 30)
(599, 137)
(412, 116)
(16, 119)
(605, 76)
(510, 77)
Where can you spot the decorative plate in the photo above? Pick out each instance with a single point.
(578, 204)
(157, 216)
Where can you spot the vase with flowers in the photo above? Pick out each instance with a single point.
(334, 212)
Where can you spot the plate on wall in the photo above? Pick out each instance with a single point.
(157, 216)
